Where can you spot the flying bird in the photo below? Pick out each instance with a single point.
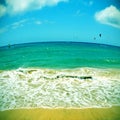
(100, 35)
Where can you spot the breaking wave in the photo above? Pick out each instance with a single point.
(52, 88)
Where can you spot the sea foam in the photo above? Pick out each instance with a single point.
(65, 88)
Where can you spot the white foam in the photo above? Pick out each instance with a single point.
(32, 87)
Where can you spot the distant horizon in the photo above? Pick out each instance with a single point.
(30, 43)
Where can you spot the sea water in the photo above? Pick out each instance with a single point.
(59, 55)
(52, 75)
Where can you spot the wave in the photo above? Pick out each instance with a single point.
(53, 88)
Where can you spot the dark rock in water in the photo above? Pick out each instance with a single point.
(81, 77)
(85, 77)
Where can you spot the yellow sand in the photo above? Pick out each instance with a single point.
(62, 114)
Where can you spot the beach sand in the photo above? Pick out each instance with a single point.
(112, 113)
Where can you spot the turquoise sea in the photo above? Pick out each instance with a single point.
(59, 75)
(59, 55)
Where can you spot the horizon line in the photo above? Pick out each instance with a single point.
(20, 44)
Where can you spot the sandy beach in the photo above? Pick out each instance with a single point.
(62, 114)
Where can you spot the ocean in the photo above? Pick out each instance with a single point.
(59, 55)
(59, 75)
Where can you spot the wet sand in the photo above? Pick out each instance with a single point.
(112, 113)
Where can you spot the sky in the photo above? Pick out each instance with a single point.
(24, 21)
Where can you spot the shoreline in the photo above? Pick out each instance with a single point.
(62, 69)
(111, 113)
(56, 108)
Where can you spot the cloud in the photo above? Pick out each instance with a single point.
(2, 10)
(109, 16)
(19, 6)
(18, 24)
(38, 22)
(79, 13)
(49, 22)
(14, 25)
(23, 22)
(88, 3)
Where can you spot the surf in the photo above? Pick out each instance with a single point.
(50, 88)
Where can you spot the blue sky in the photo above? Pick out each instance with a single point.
(23, 21)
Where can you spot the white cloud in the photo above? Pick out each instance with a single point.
(88, 3)
(18, 6)
(18, 24)
(109, 16)
(2, 10)
(38, 22)
(23, 22)
(14, 25)
(79, 13)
